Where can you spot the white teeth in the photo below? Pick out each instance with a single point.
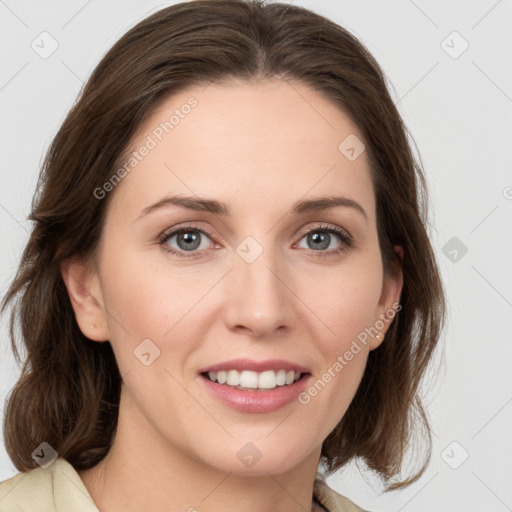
(253, 380)
(267, 380)
(281, 377)
(233, 378)
(248, 379)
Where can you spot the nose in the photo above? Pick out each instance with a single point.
(259, 297)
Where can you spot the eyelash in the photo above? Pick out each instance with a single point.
(346, 240)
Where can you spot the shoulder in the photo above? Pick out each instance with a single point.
(57, 488)
(333, 501)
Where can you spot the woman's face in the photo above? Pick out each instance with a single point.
(263, 271)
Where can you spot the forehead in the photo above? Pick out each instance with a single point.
(254, 145)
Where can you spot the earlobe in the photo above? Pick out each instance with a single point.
(390, 299)
(85, 296)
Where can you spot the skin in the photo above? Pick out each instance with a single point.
(258, 147)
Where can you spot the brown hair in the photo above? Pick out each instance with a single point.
(68, 392)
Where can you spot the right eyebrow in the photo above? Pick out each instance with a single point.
(192, 203)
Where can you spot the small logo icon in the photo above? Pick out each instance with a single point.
(249, 249)
(507, 193)
(44, 455)
(454, 45)
(146, 352)
(44, 45)
(454, 455)
(249, 455)
(351, 147)
(454, 249)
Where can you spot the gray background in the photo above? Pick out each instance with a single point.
(458, 106)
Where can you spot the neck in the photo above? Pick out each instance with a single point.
(143, 471)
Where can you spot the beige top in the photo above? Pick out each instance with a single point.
(59, 488)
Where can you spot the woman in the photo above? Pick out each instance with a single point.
(229, 285)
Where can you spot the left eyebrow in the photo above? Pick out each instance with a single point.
(219, 208)
(323, 203)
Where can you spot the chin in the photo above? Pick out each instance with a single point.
(253, 459)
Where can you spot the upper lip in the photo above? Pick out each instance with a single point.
(255, 366)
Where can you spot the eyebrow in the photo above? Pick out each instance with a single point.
(220, 208)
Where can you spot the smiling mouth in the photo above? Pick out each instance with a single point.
(248, 380)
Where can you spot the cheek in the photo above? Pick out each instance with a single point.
(343, 300)
(156, 302)
(346, 312)
(145, 298)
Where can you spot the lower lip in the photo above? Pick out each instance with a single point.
(256, 401)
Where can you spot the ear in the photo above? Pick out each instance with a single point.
(84, 291)
(389, 299)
